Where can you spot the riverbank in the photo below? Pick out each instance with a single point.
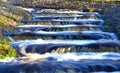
(9, 18)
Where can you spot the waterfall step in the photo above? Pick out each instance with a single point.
(93, 35)
(75, 17)
(71, 27)
(96, 14)
(43, 46)
(64, 22)
(65, 15)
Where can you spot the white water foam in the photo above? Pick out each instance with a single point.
(73, 56)
(89, 55)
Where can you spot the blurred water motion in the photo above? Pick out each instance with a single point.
(60, 41)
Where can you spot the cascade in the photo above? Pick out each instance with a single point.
(65, 42)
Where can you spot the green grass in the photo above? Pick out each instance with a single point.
(6, 50)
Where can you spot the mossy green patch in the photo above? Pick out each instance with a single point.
(6, 49)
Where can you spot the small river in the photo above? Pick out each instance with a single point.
(52, 44)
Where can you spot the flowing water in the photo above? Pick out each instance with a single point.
(54, 41)
(64, 63)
